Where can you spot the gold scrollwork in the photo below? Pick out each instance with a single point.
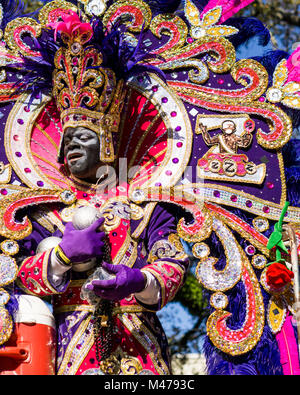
(138, 7)
(6, 325)
(170, 24)
(240, 341)
(45, 12)
(19, 26)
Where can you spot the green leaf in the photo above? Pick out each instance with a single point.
(274, 239)
(282, 246)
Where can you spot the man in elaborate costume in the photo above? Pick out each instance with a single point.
(147, 264)
(134, 80)
(106, 321)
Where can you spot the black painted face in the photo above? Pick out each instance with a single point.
(82, 152)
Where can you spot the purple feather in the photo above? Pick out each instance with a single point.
(37, 71)
(11, 10)
(122, 56)
(248, 28)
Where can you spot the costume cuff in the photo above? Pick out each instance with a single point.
(35, 276)
(151, 294)
(169, 275)
(57, 271)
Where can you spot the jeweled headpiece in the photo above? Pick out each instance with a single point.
(87, 94)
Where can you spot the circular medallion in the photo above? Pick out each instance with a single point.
(9, 247)
(201, 250)
(261, 224)
(274, 95)
(219, 301)
(68, 197)
(259, 261)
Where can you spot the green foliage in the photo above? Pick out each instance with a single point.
(191, 296)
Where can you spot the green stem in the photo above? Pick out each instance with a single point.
(278, 254)
(284, 210)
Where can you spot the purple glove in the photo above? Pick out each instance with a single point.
(84, 244)
(126, 282)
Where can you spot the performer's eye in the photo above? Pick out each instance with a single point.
(85, 137)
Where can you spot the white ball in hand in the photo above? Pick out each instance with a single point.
(84, 217)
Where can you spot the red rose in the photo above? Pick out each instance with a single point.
(278, 275)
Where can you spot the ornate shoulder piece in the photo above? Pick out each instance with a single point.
(9, 205)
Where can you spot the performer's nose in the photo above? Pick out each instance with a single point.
(74, 143)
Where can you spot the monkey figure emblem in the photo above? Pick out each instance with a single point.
(223, 161)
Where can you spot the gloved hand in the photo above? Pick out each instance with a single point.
(84, 244)
(126, 282)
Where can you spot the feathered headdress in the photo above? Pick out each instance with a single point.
(84, 68)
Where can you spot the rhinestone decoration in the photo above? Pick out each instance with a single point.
(8, 270)
(9, 247)
(93, 372)
(261, 224)
(250, 250)
(138, 196)
(198, 32)
(274, 95)
(259, 261)
(201, 250)
(96, 7)
(146, 372)
(68, 197)
(218, 300)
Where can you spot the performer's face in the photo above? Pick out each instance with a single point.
(82, 152)
(228, 127)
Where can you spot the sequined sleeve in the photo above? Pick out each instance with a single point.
(35, 276)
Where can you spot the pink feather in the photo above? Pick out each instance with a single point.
(288, 348)
(72, 26)
(229, 7)
(293, 66)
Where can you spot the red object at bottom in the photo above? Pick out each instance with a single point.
(30, 351)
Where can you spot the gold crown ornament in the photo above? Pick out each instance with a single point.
(86, 93)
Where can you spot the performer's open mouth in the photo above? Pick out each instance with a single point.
(73, 157)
